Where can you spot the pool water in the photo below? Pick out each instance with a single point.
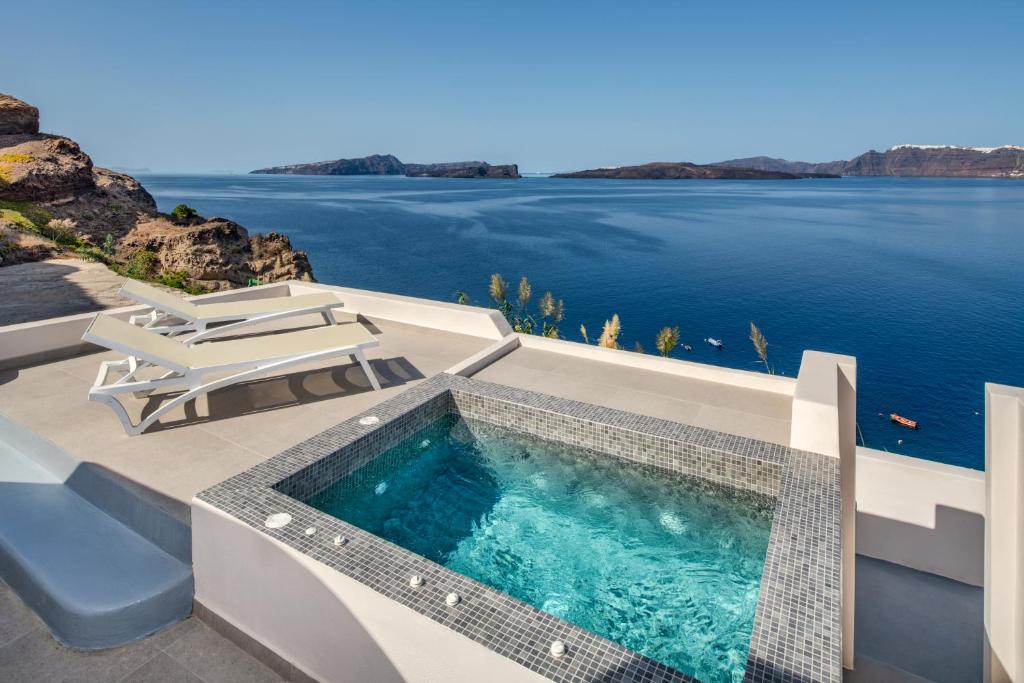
(666, 566)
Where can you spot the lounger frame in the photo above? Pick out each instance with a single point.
(177, 375)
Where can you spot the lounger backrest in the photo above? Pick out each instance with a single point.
(132, 340)
(158, 298)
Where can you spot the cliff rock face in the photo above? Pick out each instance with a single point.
(913, 160)
(681, 170)
(42, 168)
(377, 164)
(389, 165)
(17, 117)
(50, 177)
(217, 253)
(941, 161)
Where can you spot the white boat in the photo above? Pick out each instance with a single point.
(717, 343)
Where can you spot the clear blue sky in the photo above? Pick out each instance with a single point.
(203, 86)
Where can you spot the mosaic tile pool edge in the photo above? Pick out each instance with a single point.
(796, 634)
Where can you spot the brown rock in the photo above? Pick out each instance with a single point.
(217, 253)
(42, 168)
(17, 117)
(21, 247)
(115, 205)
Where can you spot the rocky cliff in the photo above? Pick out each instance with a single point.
(944, 161)
(681, 170)
(378, 164)
(940, 161)
(216, 253)
(53, 200)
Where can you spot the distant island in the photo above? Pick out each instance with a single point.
(906, 160)
(388, 164)
(682, 170)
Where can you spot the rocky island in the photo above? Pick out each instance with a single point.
(388, 164)
(54, 202)
(935, 161)
(681, 170)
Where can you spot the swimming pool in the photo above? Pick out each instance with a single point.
(667, 566)
(581, 543)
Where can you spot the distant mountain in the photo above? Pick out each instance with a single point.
(388, 164)
(908, 160)
(784, 165)
(682, 170)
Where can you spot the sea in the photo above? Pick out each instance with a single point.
(921, 279)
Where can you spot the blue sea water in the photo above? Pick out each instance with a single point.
(921, 279)
(668, 567)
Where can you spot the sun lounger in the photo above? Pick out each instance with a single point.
(173, 315)
(186, 365)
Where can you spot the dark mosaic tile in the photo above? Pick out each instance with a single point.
(796, 634)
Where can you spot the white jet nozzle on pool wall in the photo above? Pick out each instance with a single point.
(278, 520)
(369, 420)
(557, 648)
(310, 531)
(340, 540)
(415, 580)
(452, 599)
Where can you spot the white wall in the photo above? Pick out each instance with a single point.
(921, 514)
(671, 366)
(1004, 548)
(53, 338)
(439, 315)
(330, 626)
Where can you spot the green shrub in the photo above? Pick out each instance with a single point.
(184, 212)
(25, 215)
(140, 265)
(109, 245)
(179, 279)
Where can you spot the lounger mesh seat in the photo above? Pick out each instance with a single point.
(187, 364)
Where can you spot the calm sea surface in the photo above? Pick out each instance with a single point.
(921, 279)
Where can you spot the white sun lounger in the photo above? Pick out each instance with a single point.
(187, 364)
(172, 314)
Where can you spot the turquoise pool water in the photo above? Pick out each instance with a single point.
(665, 566)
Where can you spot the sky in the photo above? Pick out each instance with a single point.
(232, 86)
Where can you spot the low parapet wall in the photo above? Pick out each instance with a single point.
(55, 338)
(921, 514)
(47, 340)
(439, 315)
(670, 366)
(1004, 554)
